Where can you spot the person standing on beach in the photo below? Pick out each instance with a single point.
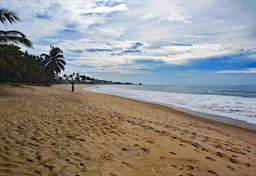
(73, 87)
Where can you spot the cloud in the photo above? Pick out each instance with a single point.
(135, 47)
(171, 17)
(75, 50)
(184, 53)
(238, 28)
(167, 12)
(58, 15)
(176, 18)
(247, 71)
(106, 9)
(150, 15)
(98, 50)
(115, 32)
(42, 16)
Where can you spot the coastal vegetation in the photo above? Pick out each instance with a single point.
(22, 67)
(83, 79)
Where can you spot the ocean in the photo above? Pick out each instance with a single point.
(237, 102)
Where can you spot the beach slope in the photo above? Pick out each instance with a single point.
(52, 131)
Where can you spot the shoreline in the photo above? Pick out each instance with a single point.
(194, 114)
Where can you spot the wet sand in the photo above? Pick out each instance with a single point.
(51, 131)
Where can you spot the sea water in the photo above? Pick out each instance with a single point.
(232, 101)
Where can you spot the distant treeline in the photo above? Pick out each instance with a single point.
(83, 79)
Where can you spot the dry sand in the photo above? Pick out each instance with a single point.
(51, 131)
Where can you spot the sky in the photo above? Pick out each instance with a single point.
(146, 41)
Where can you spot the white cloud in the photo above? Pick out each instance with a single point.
(238, 28)
(166, 12)
(115, 32)
(172, 17)
(105, 9)
(247, 71)
(182, 54)
(149, 15)
(55, 15)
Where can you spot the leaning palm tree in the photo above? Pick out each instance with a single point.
(54, 62)
(12, 36)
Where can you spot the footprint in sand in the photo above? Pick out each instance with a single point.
(83, 166)
(182, 145)
(124, 149)
(212, 172)
(125, 163)
(173, 153)
(145, 149)
(248, 164)
(174, 166)
(205, 150)
(230, 167)
(233, 160)
(38, 172)
(136, 145)
(220, 154)
(29, 160)
(190, 167)
(149, 141)
(50, 167)
(189, 174)
(210, 158)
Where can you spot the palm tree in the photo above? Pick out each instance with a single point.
(83, 78)
(71, 77)
(53, 61)
(77, 77)
(12, 36)
(65, 76)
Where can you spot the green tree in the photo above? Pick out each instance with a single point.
(65, 76)
(53, 62)
(18, 66)
(77, 77)
(10, 58)
(83, 78)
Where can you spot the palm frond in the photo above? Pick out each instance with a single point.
(7, 15)
(16, 39)
(61, 61)
(45, 55)
(59, 56)
(57, 69)
(61, 66)
(55, 51)
(45, 59)
(11, 33)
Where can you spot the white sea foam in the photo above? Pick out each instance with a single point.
(239, 108)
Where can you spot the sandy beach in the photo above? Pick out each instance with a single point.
(52, 131)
